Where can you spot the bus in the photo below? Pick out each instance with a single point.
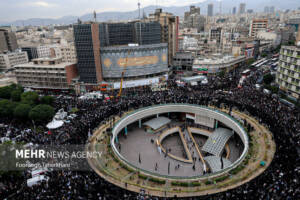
(262, 63)
(258, 62)
(287, 103)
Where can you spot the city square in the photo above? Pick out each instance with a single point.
(150, 100)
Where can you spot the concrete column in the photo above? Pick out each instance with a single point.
(168, 114)
(216, 123)
(125, 130)
(117, 140)
(140, 123)
(157, 115)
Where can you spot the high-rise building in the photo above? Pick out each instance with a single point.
(104, 49)
(216, 34)
(193, 19)
(234, 10)
(272, 9)
(31, 52)
(8, 41)
(266, 9)
(242, 9)
(250, 11)
(210, 10)
(257, 25)
(288, 71)
(169, 30)
(193, 10)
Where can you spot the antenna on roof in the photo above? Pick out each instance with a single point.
(139, 6)
(95, 16)
(220, 7)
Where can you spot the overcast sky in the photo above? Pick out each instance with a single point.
(11, 10)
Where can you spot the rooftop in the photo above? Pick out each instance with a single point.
(32, 65)
(216, 59)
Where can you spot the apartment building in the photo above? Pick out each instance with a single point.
(8, 60)
(46, 73)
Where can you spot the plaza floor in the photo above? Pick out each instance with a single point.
(138, 144)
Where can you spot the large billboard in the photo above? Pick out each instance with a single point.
(134, 60)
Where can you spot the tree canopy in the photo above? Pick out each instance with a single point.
(30, 98)
(7, 108)
(268, 79)
(41, 113)
(47, 100)
(22, 111)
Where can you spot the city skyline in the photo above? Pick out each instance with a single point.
(53, 9)
(56, 8)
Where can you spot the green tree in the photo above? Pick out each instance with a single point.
(264, 54)
(30, 98)
(19, 88)
(221, 74)
(47, 100)
(7, 108)
(5, 92)
(22, 111)
(16, 95)
(250, 61)
(268, 79)
(273, 89)
(41, 113)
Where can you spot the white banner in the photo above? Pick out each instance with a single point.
(136, 83)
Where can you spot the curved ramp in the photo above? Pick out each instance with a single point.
(216, 142)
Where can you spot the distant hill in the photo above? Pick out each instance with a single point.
(227, 5)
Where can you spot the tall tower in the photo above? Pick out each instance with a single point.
(242, 9)
(139, 7)
(95, 16)
(210, 10)
(234, 10)
(220, 7)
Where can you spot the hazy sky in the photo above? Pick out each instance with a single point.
(23, 9)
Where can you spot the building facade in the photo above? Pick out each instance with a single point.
(169, 30)
(46, 51)
(258, 25)
(8, 41)
(216, 64)
(105, 51)
(46, 73)
(31, 52)
(193, 10)
(288, 71)
(8, 60)
(68, 53)
(183, 63)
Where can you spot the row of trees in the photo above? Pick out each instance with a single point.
(22, 105)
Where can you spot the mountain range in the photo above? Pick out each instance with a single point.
(227, 5)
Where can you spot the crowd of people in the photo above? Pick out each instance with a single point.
(279, 181)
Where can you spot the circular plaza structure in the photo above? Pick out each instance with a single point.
(177, 150)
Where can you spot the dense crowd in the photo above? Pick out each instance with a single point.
(279, 181)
